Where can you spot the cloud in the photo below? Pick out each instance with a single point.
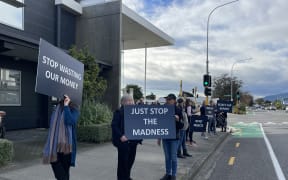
(237, 31)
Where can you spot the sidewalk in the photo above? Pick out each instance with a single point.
(99, 162)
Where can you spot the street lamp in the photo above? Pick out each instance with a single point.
(207, 49)
(207, 62)
(238, 61)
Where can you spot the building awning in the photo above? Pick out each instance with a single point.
(138, 33)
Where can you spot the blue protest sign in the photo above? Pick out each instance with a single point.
(224, 106)
(199, 123)
(149, 121)
(58, 73)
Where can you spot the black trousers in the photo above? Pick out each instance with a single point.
(126, 158)
(61, 167)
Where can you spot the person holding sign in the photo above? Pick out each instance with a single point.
(170, 145)
(60, 148)
(126, 148)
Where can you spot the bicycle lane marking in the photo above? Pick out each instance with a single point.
(274, 159)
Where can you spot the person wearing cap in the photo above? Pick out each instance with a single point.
(170, 145)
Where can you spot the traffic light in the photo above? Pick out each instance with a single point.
(238, 95)
(207, 91)
(207, 80)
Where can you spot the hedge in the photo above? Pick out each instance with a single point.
(97, 133)
(6, 151)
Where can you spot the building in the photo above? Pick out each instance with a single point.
(104, 27)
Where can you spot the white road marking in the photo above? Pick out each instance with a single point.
(274, 159)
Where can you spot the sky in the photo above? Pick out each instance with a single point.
(245, 29)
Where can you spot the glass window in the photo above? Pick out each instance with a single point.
(10, 87)
(11, 15)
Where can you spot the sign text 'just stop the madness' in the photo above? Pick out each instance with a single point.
(149, 121)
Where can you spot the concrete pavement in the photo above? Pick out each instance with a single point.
(99, 161)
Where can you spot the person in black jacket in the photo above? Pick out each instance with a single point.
(170, 145)
(126, 148)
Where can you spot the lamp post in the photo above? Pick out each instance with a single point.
(207, 49)
(231, 88)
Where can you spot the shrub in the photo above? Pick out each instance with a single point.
(6, 151)
(94, 113)
(94, 133)
(94, 122)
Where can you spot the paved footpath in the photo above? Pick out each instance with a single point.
(99, 162)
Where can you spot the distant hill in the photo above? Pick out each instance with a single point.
(272, 98)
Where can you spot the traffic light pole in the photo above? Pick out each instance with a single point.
(207, 43)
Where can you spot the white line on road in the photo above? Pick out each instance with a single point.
(274, 159)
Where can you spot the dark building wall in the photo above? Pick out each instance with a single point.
(33, 111)
(39, 21)
(68, 28)
(99, 29)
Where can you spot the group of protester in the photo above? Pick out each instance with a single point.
(60, 148)
(173, 148)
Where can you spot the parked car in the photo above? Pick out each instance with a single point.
(286, 109)
(272, 108)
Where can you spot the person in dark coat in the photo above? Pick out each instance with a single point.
(126, 148)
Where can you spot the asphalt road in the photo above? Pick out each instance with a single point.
(246, 155)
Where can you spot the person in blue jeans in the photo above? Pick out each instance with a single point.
(182, 138)
(170, 145)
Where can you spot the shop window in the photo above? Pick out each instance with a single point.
(10, 87)
(11, 15)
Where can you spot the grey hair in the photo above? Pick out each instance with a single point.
(125, 98)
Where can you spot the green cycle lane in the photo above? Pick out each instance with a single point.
(247, 130)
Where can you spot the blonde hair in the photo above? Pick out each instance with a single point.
(125, 98)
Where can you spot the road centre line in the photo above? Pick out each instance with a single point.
(274, 159)
(237, 145)
(231, 161)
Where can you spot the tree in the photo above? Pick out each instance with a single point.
(222, 87)
(246, 99)
(151, 96)
(260, 101)
(137, 91)
(278, 104)
(94, 86)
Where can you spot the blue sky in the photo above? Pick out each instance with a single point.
(256, 29)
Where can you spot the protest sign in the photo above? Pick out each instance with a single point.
(149, 121)
(224, 106)
(210, 112)
(58, 73)
(199, 123)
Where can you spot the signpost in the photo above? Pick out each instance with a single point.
(149, 122)
(58, 73)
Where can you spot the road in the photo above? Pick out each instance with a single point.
(249, 153)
